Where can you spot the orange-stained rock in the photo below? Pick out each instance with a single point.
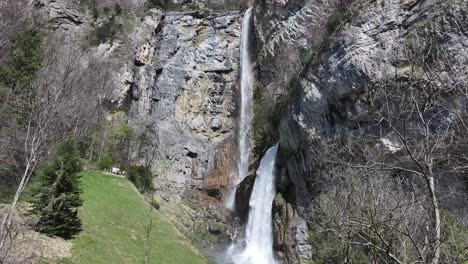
(215, 184)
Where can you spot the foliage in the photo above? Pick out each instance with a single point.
(455, 236)
(114, 217)
(106, 162)
(307, 56)
(7, 192)
(58, 197)
(141, 177)
(267, 118)
(118, 9)
(155, 3)
(27, 57)
(106, 32)
(16, 76)
(326, 246)
(202, 237)
(122, 132)
(6, 173)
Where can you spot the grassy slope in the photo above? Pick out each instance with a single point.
(114, 217)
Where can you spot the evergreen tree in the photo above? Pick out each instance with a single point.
(58, 196)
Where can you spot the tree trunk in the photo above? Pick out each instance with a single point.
(436, 215)
(91, 149)
(8, 218)
(102, 145)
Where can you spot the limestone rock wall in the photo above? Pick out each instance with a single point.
(328, 80)
(183, 86)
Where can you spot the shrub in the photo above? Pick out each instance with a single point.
(155, 4)
(57, 198)
(266, 121)
(118, 9)
(455, 239)
(122, 132)
(155, 204)
(307, 56)
(201, 237)
(106, 162)
(105, 32)
(141, 177)
(16, 75)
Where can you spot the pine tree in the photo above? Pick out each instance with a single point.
(58, 197)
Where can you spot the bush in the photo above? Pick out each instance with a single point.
(118, 9)
(455, 239)
(155, 204)
(16, 75)
(106, 162)
(307, 56)
(155, 4)
(105, 32)
(57, 198)
(266, 121)
(141, 177)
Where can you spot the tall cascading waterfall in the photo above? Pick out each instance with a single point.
(245, 119)
(258, 246)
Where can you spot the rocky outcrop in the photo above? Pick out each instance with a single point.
(182, 87)
(286, 31)
(289, 232)
(63, 15)
(218, 180)
(364, 51)
(328, 82)
(60, 14)
(243, 192)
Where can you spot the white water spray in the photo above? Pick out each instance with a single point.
(258, 245)
(246, 112)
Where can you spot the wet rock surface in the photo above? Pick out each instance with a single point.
(243, 192)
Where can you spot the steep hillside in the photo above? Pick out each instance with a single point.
(115, 218)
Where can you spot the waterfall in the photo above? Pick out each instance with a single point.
(258, 245)
(258, 234)
(245, 118)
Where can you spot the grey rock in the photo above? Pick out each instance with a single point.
(216, 228)
(365, 50)
(184, 83)
(63, 15)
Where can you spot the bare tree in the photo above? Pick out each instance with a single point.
(149, 154)
(66, 104)
(371, 212)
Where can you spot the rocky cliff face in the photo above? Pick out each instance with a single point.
(182, 86)
(368, 48)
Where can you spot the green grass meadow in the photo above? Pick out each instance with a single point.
(114, 217)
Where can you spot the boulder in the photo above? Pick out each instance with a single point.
(243, 192)
(216, 228)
